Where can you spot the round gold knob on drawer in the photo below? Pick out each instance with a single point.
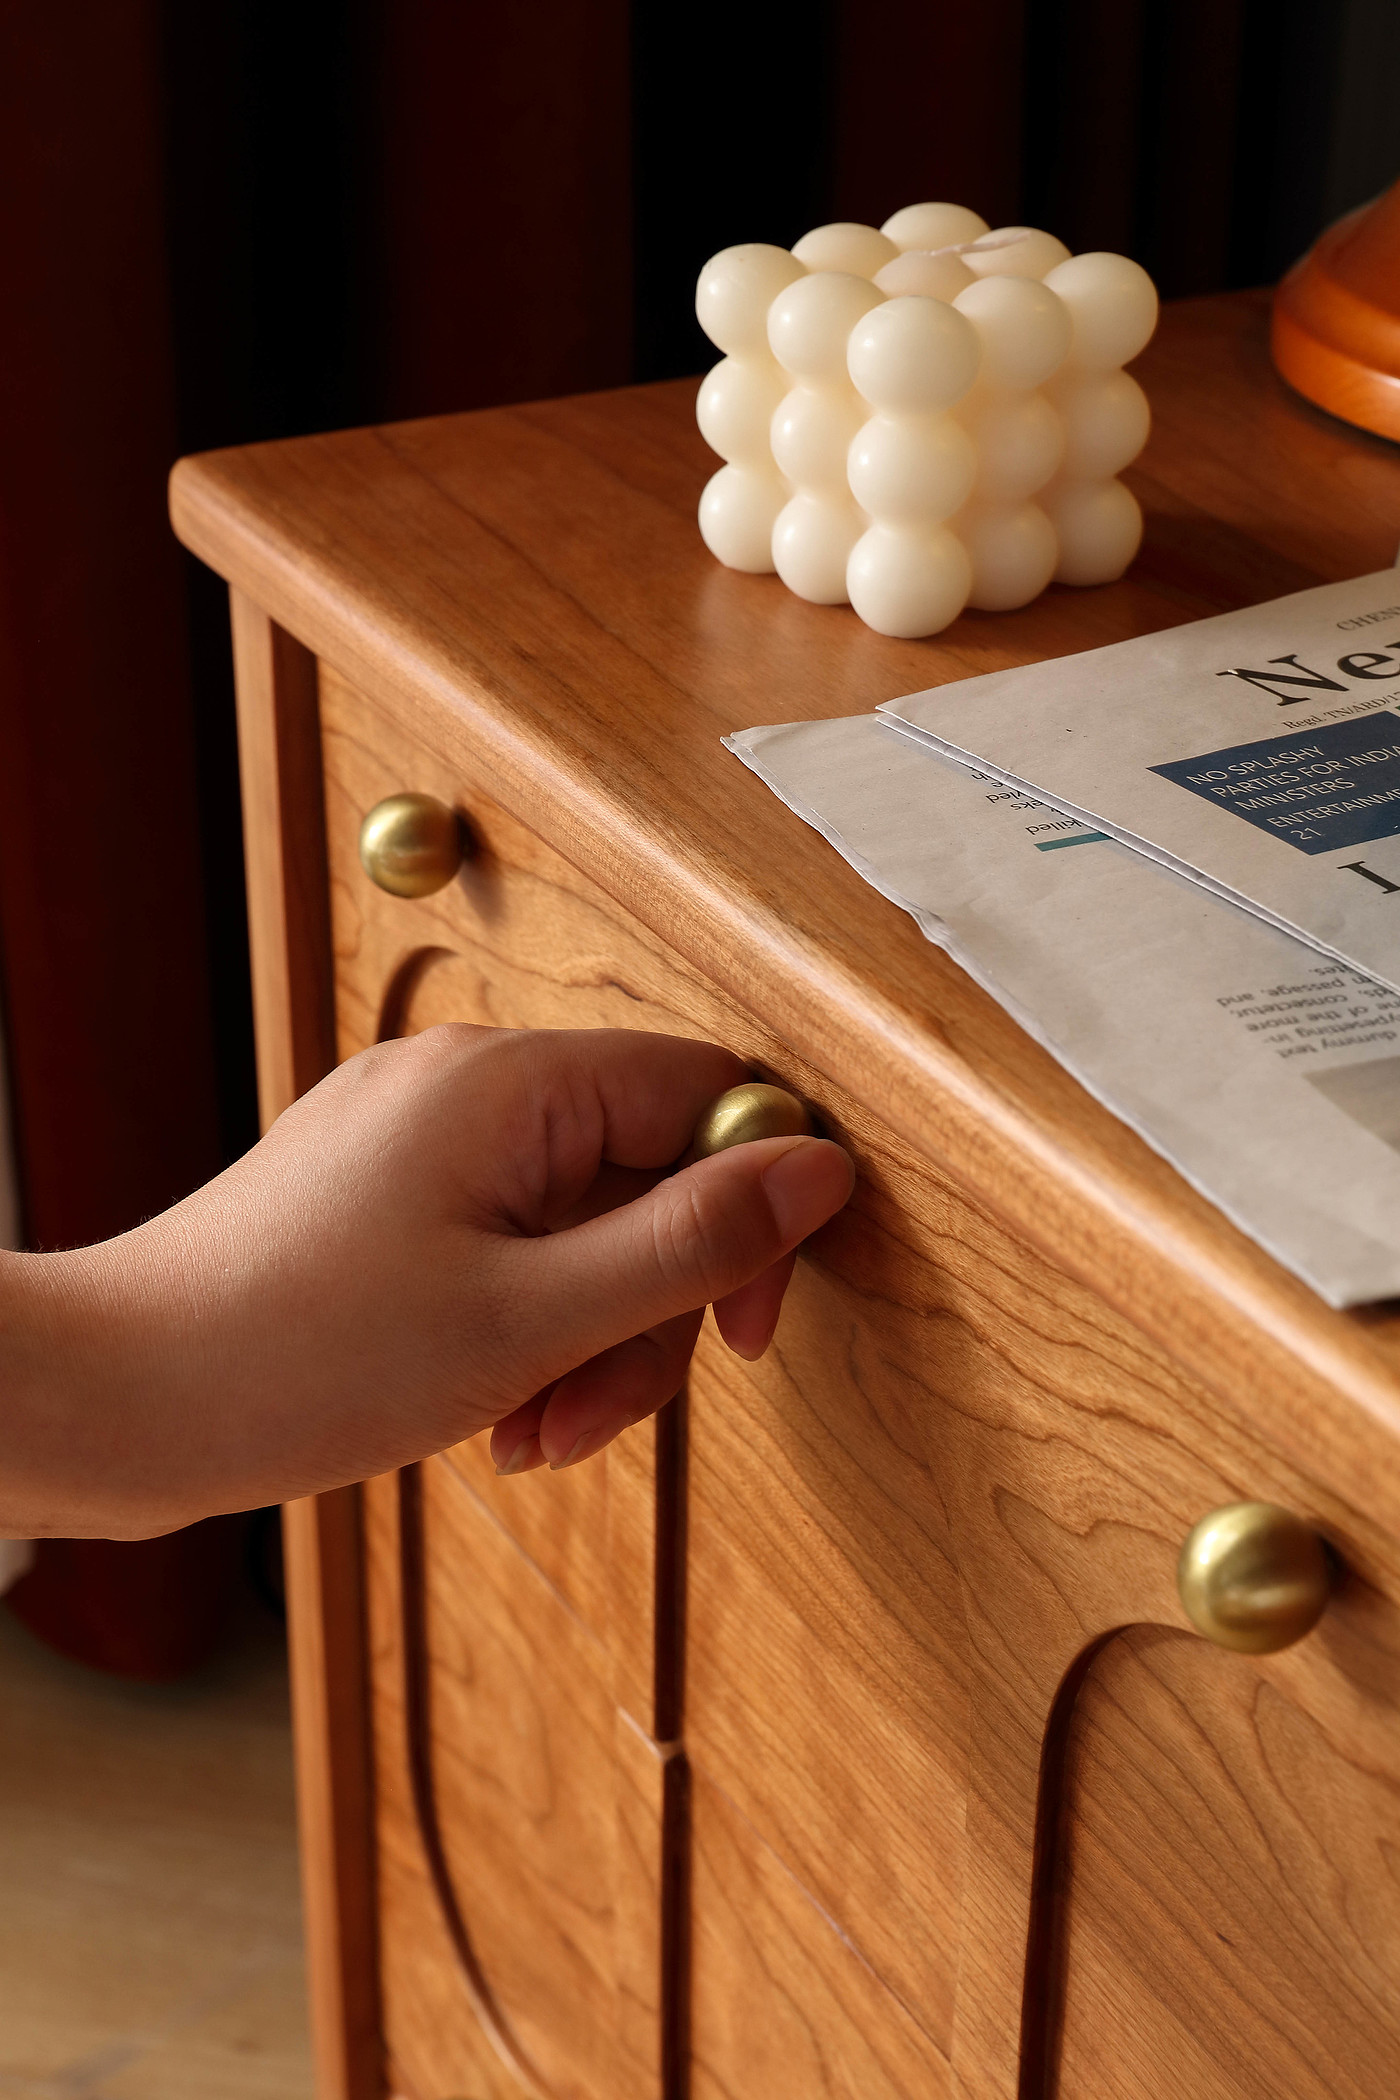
(1253, 1577)
(411, 845)
(746, 1112)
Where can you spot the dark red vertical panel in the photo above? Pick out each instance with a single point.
(1185, 218)
(929, 107)
(1087, 120)
(503, 200)
(101, 916)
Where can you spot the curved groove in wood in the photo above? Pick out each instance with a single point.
(1042, 1995)
(418, 1743)
(402, 985)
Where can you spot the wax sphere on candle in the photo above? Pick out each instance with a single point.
(844, 245)
(907, 468)
(1023, 328)
(1099, 527)
(735, 291)
(1013, 551)
(809, 323)
(812, 539)
(927, 276)
(738, 510)
(1106, 421)
(1019, 442)
(1113, 305)
(908, 582)
(736, 403)
(811, 432)
(1030, 256)
(912, 425)
(933, 226)
(913, 356)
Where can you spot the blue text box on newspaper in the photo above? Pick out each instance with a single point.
(1324, 788)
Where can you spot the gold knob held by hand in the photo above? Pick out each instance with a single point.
(411, 845)
(1253, 1577)
(754, 1110)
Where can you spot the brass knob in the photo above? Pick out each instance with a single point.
(748, 1112)
(411, 845)
(1253, 1577)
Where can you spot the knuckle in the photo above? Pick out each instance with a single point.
(444, 1042)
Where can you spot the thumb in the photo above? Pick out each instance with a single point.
(696, 1237)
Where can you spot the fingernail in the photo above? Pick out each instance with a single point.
(806, 1184)
(592, 1440)
(753, 1351)
(520, 1457)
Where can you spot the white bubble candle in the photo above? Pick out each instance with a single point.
(924, 416)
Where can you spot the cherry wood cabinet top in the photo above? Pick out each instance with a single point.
(532, 579)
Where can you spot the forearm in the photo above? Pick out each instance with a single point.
(138, 1391)
(178, 1372)
(70, 1381)
(432, 1242)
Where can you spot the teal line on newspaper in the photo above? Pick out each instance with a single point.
(1085, 838)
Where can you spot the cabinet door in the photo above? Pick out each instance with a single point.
(521, 1652)
(523, 1817)
(792, 1810)
(1229, 1909)
(1182, 1863)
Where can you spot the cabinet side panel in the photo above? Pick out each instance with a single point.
(326, 1637)
(284, 843)
(289, 937)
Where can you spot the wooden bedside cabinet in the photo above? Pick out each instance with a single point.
(840, 1733)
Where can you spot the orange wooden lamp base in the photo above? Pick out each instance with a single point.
(1336, 330)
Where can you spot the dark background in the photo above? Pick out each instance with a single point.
(244, 219)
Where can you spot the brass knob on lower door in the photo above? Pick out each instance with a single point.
(411, 845)
(1253, 1577)
(754, 1110)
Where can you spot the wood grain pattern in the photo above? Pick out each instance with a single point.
(526, 1823)
(651, 1920)
(433, 2039)
(289, 936)
(284, 847)
(1231, 1890)
(602, 1538)
(782, 2006)
(820, 1583)
(324, 1549)
(955, 1473)
(420, 1562)
(530, 583)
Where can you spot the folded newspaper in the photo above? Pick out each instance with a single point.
(1257, 752)
(1268, 1074)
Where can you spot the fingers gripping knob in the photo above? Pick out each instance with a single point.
(754, 1110)
(411, 845)
(1253, 1577)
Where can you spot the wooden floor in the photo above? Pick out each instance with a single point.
(150, 1933)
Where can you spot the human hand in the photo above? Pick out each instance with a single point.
(468, 1228)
